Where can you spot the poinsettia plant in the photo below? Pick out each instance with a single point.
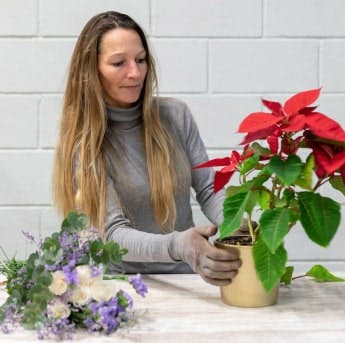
(289, 152)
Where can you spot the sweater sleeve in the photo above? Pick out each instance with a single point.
(141, 246)
(202, 179)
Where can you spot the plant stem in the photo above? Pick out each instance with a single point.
(298, 276)
(4, 252)
(115, 277)
(251, 230)
(319, 183)
(4, 264)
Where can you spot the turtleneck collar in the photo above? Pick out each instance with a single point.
(124, 118)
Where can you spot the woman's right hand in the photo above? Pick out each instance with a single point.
(215, 265)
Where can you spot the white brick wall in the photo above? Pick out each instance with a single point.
(220, 56)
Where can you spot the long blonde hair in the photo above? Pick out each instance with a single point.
(79, 176)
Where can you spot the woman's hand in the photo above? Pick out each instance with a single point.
(216, 266)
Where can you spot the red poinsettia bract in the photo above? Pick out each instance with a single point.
(293, 116)
(229, 164)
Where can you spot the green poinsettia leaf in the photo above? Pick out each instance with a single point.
(288, 195)
(321, 274)
(264, 199)
(305, 179)
(337, 183)
(320, 217)
(269, 267)
(249, 163)
(232, 190)
(287, 276)
(274, 226)
(260, 149)
(233, 210)
(287, 171)
(252, 201)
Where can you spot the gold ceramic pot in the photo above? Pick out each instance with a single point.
(246, 289)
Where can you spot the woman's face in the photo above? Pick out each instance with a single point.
(122, 67)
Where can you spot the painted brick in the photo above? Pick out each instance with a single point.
(50, 221)
(263, 66)
(207, 18)
(18, 17)
(181, 64)
(18, 118)
(300, 247)
(298, 18)
(25, 178)
(75, 14)
(49, 117)
(13, 221)
(333, 106)
(225, 112)
(34, 65)
(333, 66)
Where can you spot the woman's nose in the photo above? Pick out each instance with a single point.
(134, 70)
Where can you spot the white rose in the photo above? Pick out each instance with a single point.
(102, 291)
(59, 285)
(58, 309)
(80, 295)
(84, 276)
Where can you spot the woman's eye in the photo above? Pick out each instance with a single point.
(117, 64)
(141, 60)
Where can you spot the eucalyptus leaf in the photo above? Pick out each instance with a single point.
(74, 222)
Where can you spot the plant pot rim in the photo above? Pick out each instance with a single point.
(220, 242)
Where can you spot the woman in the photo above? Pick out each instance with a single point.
(125, 157)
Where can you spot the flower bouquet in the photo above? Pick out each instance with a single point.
(61, 286)
(290, 151)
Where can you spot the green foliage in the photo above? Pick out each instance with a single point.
(269, 267)
(337, 183)
(287, 276)
(28, 281)
(233, 209)
(320, 217)
(305, 178)
(278, 187)
(287, 170)
(274, 225)
(273, 190)
(321, 274)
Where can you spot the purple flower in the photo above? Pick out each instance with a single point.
(29, 237)
(129, 300)
(50, 267)
(5, 329)
(95, 270)
(70, 273)
(138, 284)
(104, 316)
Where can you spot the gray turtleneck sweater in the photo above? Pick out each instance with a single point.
(137, 231)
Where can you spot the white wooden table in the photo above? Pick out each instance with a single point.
(183, 308)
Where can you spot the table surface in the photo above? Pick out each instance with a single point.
(183, 308)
